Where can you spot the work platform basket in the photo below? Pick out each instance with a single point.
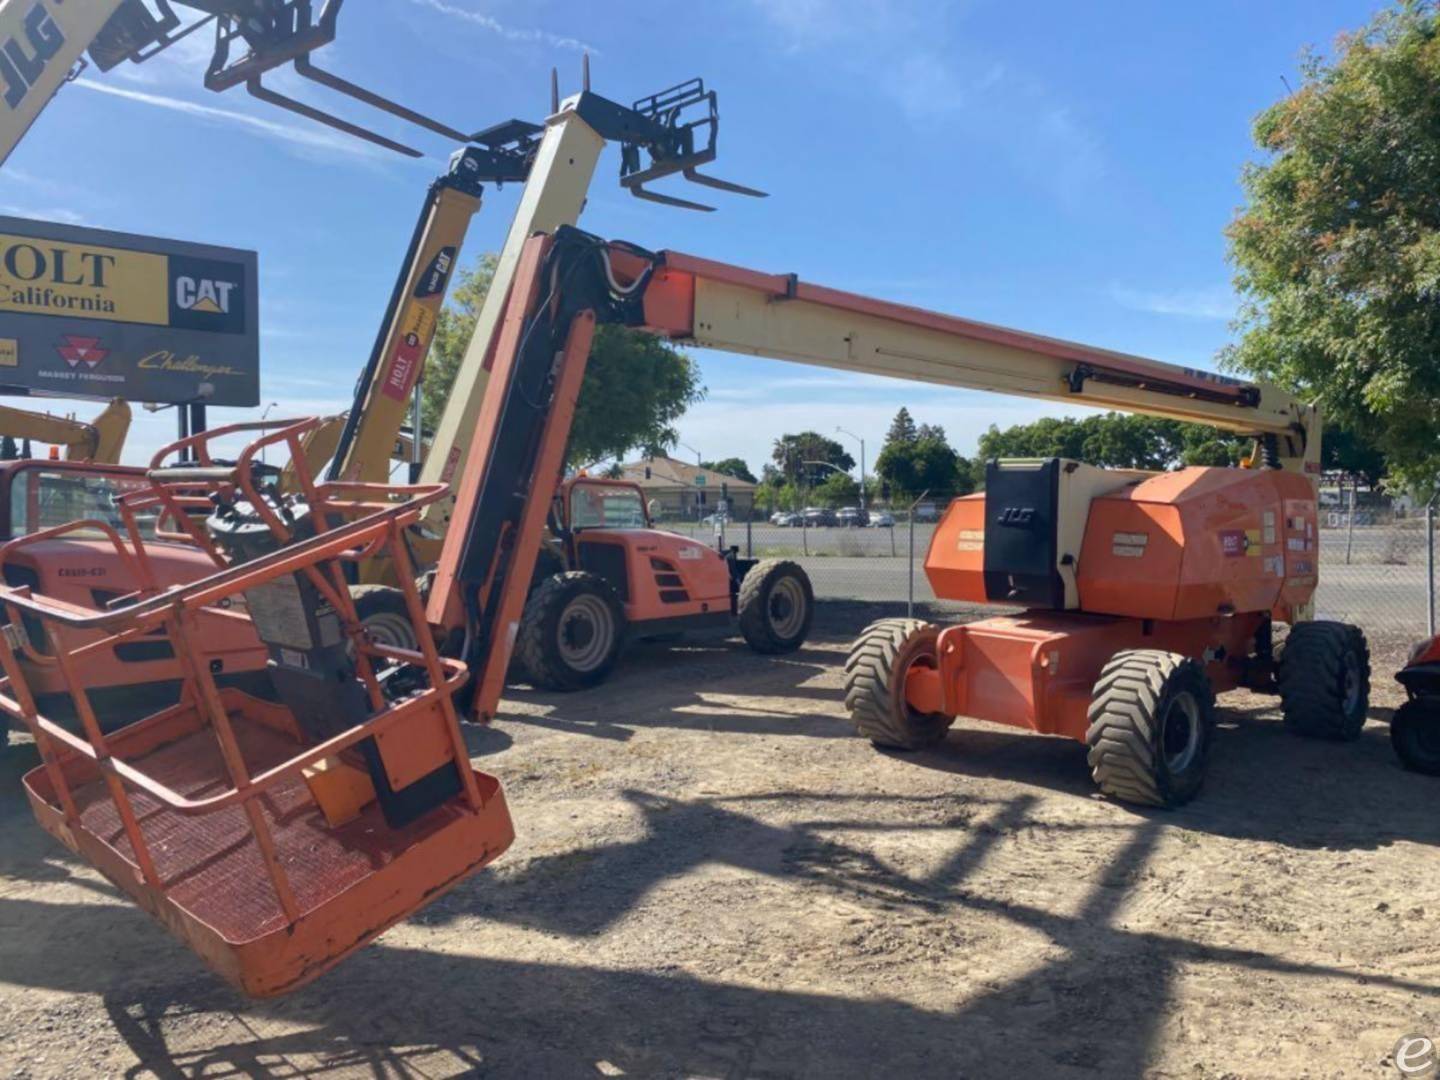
(270, 850)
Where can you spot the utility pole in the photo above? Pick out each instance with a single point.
(842, 431)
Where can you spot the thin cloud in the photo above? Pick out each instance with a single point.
(48, 213)
(1213, 303)
(509, 33)
(303, 138)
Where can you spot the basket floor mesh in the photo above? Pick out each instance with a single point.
(211, 864)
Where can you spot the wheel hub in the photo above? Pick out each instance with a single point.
(1180, 732)
(585, 633)
(786, 608)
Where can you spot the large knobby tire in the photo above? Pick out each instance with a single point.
(1151, 717)
(875, 684)
(571, 632)
(1325, 680)
(776, 606)
(382, 612)
(1415, 735)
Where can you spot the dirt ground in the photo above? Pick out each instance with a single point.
(715, 878)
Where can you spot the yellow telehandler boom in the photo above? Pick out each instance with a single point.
(101, 440)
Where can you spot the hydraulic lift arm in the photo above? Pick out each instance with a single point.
(101, 440)
(568, 282)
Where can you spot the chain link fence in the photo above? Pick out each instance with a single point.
(1376, 563)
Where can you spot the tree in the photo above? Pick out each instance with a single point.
(731, 466)
(902, 428)
(792, 451)
(636, 385)
(837, 489)
(1338, 248)
(1117, 441)
(919, 459)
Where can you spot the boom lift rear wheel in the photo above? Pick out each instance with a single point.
(1151, 716)
(571, 632)
(875, 684)
(1325, 680)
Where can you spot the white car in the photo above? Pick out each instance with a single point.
(881, 519)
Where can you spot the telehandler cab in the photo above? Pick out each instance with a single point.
(607, 574)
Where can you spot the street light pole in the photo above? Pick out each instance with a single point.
(861, 441)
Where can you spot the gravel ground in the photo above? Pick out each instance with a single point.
(715, 878)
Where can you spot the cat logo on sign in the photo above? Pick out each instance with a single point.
(204, 295)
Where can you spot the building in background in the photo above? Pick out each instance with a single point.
(678, 491)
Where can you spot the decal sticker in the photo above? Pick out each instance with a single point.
(1237, 543)
(433, 281)
(1128, 545)
(1274, 566)
(971, 540)
(409, 354)
(9, 352)
(1269, 526)
(1127, 551)
(690, 554)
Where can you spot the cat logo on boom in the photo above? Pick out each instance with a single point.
(203, 295)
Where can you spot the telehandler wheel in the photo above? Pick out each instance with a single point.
(1415, 735)
(571, 632)
(776, 606)
(1151, 716)
(1325, 680)
(875, 684)
(384, 616)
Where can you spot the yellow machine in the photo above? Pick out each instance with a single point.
(101, 440)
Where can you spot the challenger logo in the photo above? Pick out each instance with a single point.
(76, 350)
(25, 55)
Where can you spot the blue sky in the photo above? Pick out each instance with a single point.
(1058, 167)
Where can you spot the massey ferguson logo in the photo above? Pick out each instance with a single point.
(76, 350)
(203, 295)
(24, 57)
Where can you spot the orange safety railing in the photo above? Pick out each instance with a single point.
(351, 522)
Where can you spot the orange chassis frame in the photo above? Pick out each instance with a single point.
(252, 877)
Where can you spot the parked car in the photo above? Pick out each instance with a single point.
(786, 519)
(818, 517)
(715, 519)
(927, 511)
(852, 517)
(882, 519)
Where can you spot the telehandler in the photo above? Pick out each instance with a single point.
(101, 440)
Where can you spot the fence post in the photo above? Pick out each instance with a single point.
(910, 596)
(804, 533)
(1430, 567)
(1350, 525)
(749, 538)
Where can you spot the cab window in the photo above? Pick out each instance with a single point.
(597, 506)
(41, 498)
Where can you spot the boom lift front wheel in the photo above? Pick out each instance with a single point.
(1151, 716)
(571, 632)
(1415, 734)
(875, 684)
(1325, 680)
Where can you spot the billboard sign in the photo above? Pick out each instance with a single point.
(86, 312)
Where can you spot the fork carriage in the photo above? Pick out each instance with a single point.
(271, 848)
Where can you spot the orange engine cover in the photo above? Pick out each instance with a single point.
(658, 574)
(1182, 545)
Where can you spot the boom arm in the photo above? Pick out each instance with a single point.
(567, 282)
(100, 441)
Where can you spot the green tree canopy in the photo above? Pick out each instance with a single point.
(1116, 440)
(919, 459)
(1338, 248)
(836, 490)
(636, 385)
(792, 451)
(730, 466)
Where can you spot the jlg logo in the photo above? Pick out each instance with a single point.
(22, 62)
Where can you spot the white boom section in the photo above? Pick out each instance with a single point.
(553, 196)
(40, 41)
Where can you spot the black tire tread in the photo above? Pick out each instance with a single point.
(533, 647)
(1309, 680)
(1405, 728)
(1124, 709)
(870, 693)
(750, 606)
